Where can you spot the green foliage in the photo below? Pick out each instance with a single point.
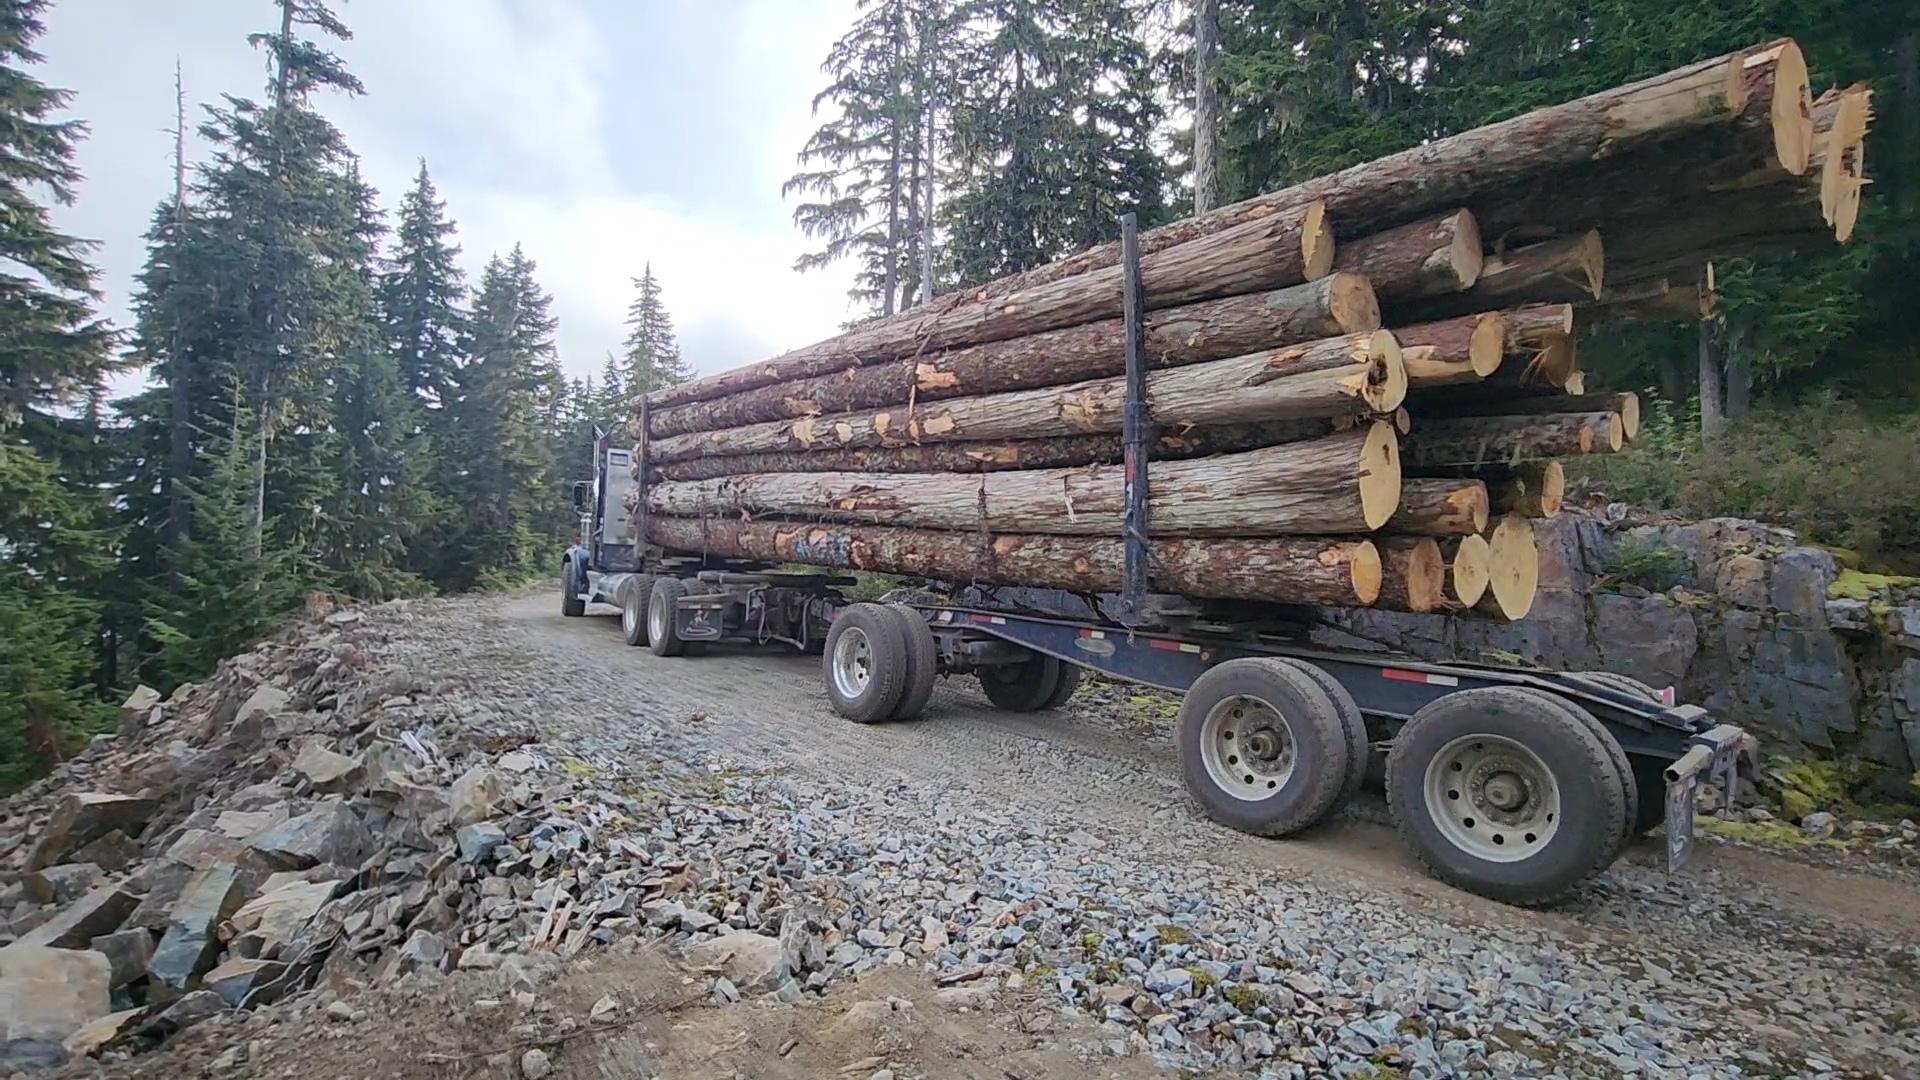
(1646, 564)
(652, 359)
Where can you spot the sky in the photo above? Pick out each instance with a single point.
(602, 135)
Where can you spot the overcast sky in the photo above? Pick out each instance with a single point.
(600, 134)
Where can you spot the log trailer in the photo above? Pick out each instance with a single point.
(1511, 783)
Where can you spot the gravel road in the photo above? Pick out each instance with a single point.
(1064, 844)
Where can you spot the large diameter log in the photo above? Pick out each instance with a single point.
(1218, 329)
(1506, 440)
(1531, 327)
(1413, 575)
(1275, 251)
(1438, 255)
(1438, 507)
(1346, 483)
(1531, 489)
(1336, 573)
(1452, 352)
(1562, 270)
(1345, 376)
(1008, 454)
(1626, 404)
(1513, 570)
(1767, 82)
(1469, 570)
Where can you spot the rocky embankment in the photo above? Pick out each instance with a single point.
(428, 814)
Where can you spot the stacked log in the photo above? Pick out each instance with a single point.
(1359, 388)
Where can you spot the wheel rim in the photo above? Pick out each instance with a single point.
(1248, 748)
(630, 614)
(1493, 798)
(657, 621)
(852, 663)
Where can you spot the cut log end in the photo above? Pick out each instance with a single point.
(1791, 110)
(1629, 407)
(1316, 241)
(1441, 507)
(1488, 346)
(1352, 303)
(1379, 474)
(1513, 569)
(1414, 573)
(1363, 565)
(1843, 164)
(1552, 481)
(1469, 572)
(1468, 255)
(1402, 420)
(1593, 262)
(1386, 385)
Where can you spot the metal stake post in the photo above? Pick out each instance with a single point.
(1138, 425)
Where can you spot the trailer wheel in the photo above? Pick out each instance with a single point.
(866, 663)
(634, 600)
(1351, 718)
(1507, 793)
(1647, 782)
(571, 605)
(1070, 677)
(1262, 747)
(1024, 687)
(922, 661)
(663, 636)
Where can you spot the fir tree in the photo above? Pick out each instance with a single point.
(421, 294)
(652, 352)
(608, 403)
(54, 552)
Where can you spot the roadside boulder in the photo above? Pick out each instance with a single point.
(101, 1033)
(262, 925)
(327, 771)
(241, 977)
(478, 841)
(263, 703)
(477, 795)
(128, 952)
(101, 911)
(46, 995)
(83, 817)
(330, 833)
(112, 853)
(191, 942)
(750, 961)
(61, 884)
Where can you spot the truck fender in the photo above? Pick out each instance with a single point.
(574, 566)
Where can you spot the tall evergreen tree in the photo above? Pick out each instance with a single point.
(54, 553)
(652, 352)
(422, 291)
(608, 403)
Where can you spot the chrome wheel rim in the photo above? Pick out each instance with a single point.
(657, 617)
(852, 663)
(630, 613)
(1248, 748)
(1493, 798)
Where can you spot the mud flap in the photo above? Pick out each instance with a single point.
(1721, 754)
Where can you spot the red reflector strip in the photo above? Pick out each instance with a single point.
(1171, 646)
(1403, 675)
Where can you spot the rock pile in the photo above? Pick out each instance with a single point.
(311, 813)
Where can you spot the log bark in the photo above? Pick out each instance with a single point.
(1508, 440)
(1440, 254)
(1219, 329)
(1626, 404)
(1468, 570)
(1535, 489)
(1765, 82)
(1452, 352)
(1335, 573)
(1413, 576)
(1346, 483)
(1532, 327)
(1439, 507)
(975, 457)
(1344, 376)
(1270, 253)
(1562, 270)
(1513, 570)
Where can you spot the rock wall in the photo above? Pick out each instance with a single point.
(1762, 630)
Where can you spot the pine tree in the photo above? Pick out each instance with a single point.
(869, 170)
(54, 552)
(608, 402)
(1053, 126)
(421, 294)
(652, 352)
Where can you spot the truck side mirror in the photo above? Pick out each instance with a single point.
(582, 495)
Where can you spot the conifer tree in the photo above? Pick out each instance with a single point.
(422, 291)
(652, 352)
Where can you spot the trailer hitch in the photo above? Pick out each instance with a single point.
(1724, 754)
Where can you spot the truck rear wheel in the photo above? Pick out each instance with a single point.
(1262, 747)
(571, 605)
(1351, 718)
(663, 636)
(866, 663)
(1070, 675)
(923, 662)
(633, 608)
(1506, 792)
(1028, 686)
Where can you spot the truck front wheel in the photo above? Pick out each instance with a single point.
(572, 606)
(1507, 793)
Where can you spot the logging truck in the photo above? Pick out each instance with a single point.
(1511, 783)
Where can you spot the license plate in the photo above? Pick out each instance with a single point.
(1680, 803)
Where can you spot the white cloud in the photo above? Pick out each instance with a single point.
(510, 101)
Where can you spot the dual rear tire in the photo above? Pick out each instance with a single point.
(880, 662)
